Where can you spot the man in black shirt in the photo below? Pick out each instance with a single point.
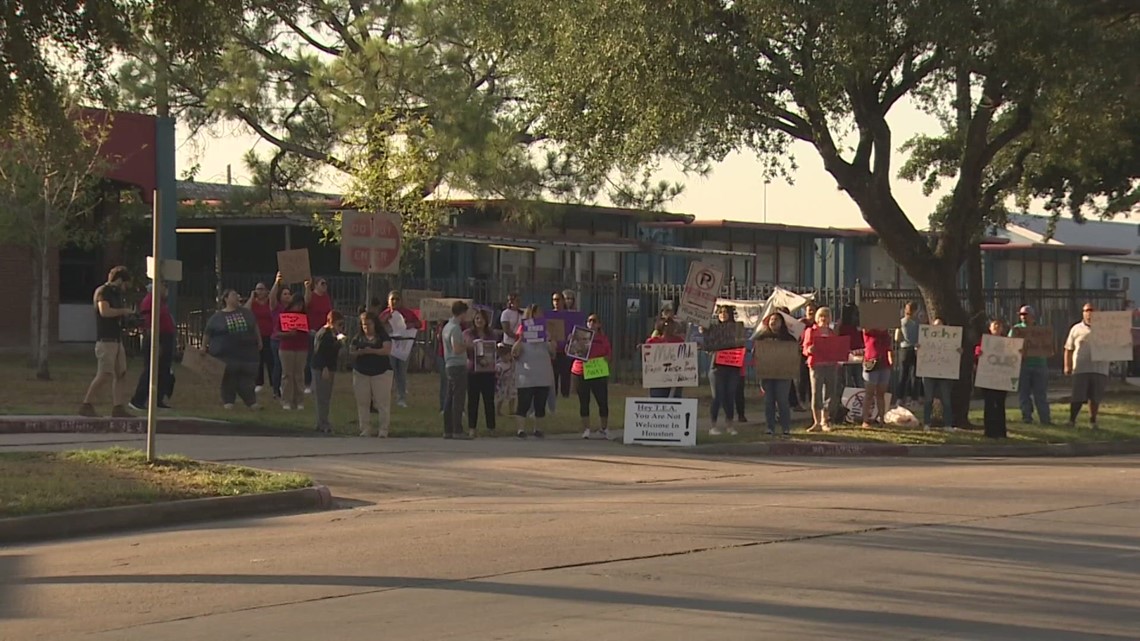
(111, 358)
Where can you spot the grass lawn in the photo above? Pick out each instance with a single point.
(20, 393)
(42, 482)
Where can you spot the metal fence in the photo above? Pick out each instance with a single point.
(627, 310)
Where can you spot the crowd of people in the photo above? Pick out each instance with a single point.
(294, 344)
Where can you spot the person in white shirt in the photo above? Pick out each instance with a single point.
(1090, 378)
(510, 319)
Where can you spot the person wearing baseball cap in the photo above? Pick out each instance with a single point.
(1033, 385)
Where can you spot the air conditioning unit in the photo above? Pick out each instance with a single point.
(1113, 283)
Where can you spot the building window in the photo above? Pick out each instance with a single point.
(765, 264)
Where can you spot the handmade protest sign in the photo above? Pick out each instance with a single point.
(439, 309)
(722, 336)
(485, 356)
(294, 265)
(999, 366)
(198, 361)
(855, 399)
(293, 322)
(939, 352)
(669, 365)
(402, 343)
(1111, 338)
(558, 322)
(1038, 341)
(831, 349)
(778, 360)
(595, 368)
(698, 299)
(556, 328)
(879, 315)
(579, 344)
(413, 297)
(730, 357)
(534, 331)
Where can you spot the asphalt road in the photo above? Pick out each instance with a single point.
(567, 540)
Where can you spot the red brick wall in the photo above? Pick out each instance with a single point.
(16, 281)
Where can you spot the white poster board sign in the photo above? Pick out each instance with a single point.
(698, 299)
(669, 365)
(854, 398)
(171, 269)
(939, 351)
(660, 421)
(1000, 364)
(402, 343)
(1111, 337)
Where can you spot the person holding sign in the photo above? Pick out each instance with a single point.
(1033, 383)
(906, 337)
(318, 304)
(534, 373)
(481, 350)
(940, 388)
(326, 354)
(593, 377)
(993, 414)
(292, 334)
(410, 321)
(725, 375)
(1090, 378)
(822, 348)
(878, 359)
(666, 330)
(232, 337)
(777, 391)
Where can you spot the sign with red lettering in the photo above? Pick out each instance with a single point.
(370, 243)
(730, 357)
(294, 322)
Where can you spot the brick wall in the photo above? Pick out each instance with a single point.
(16, 281)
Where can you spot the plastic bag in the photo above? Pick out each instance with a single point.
(900, 416)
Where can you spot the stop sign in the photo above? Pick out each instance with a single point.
(370, 243)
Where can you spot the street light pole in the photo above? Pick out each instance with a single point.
(154, 395)
(765, 200)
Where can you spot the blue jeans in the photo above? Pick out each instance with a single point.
(725, 382)
(941, 389)
(400, 373)
(777, 394)
(1032, 388)
(275, 376)
(442, 381)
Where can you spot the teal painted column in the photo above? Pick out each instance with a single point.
(165, 162)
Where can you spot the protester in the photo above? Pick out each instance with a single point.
(326, 355)
(510, 319)
(776, 391)
(506, 385)
(280, 295)
(665, 331)
(232, 337)
(534, 374)
(803, 386)
(852, 375)
(372, 375)
(993, 413)
(110, 306)
(906, 336)
(455, 364)
(292, 352)
(725, 380)
(743, 386)
(941, 389)
(562, 378)
(398, 318)
(1033, 383)
(480, 340)
(261, 302)
(166, 337)
(599, 387)
(318, 304)
(1090, 377)
(878, 359)
(824, 373)
(571, 299)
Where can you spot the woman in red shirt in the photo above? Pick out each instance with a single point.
(318, 303)
(824, 372)
(599, 386)
(261, 303)
(293, 350)
(666, 330)
(878, 358)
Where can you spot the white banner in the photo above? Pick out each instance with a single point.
(999, 367)
(660, 421)
(669, 365)
(1111, 337)
(939, 352)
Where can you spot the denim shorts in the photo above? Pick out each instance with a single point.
(879, 378)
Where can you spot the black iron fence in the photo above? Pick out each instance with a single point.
(627, 310)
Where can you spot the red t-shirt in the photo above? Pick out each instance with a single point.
(876, 344)
(265, 318)
(165, 320)
(318, 308)
(809, 337)
(599, 348)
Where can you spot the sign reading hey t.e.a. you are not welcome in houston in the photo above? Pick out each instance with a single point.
(660, 421)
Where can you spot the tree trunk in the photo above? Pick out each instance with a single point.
(34, 325)
(976, 298)
(43, 301)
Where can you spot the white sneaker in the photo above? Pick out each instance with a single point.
(586, 434)
(605, 434)
(308, 390)
(401, 403)
(715, 431)
(732, 431)
(287, 407)
(256, 407)
(300, 407)
(257, 389)
(228, 406)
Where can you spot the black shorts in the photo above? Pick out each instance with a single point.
(532, 398)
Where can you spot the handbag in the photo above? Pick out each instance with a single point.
(869, 365)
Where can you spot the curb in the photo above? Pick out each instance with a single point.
(44, 527)
(830, 449)
(103, 425)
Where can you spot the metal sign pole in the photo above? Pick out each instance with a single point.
(154, 395)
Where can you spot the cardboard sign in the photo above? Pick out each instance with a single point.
(486, 354)
(660, 421)
(439, 309)
(854, 399)
(880, 315)
(411, 298)
(557, 324)
(294, 265)
(999, 367)
(1039, 341)
(698, 299)
(669, 365)
(938, 352)
(777, 360)
(1111, 338)
(830, 349)
(722, 336)
(579, 344)
(198, 361)
(556, 328)
(534, 331)
(292, 322)
(402, 343)
(730, 357)
(171, 269)
(595, 368)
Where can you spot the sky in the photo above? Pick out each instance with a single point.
(733, 191)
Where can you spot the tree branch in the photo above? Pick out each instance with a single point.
(332, 51)
(287, 145)
(912, 76)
